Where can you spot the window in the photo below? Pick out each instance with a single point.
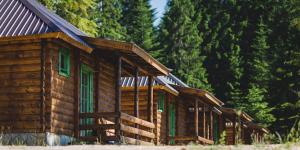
(161, 102)
(64, 62)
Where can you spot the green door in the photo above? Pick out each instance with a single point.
(86, 96)
(172, 123)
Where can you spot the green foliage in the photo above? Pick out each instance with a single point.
(79, 13)
(108, 17)
(180, 44)
(138, 18)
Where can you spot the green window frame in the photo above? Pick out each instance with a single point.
(216, 129)
(64, 62)
(86, 96)
(161, 102)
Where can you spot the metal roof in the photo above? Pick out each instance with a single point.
(143, 81)
(28, 17)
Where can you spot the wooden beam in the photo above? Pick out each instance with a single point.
(99, 115)
(196, 117)
(234, 131)
(118, 96)
(76, 91)
(136, 131)
(211, 124)
(136, 98)
(204, 121)
(135, 120)
(150, 99)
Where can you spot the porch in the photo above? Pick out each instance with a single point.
(108, 123)
(203, 122)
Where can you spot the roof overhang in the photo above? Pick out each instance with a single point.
(130, 51)
(52, 35)
(199, 93)
(252, 125)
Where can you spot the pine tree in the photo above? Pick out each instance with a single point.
(284, 88)
(48, 3)
(80, 13)
(259, 76)
(138, 18)
(180, 44)
(108, 17)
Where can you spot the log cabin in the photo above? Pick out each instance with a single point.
(240, 129)
(175, 117)
(57, 84)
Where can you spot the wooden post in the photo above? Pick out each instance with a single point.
(42, 86)
(234, 130)
(118, 98)
(204, 122)
(211, 124)
(96, 91)
(136, 98)
(77, 91)
(167, 120)
(221, 125)
(196, 117)
(150, 100)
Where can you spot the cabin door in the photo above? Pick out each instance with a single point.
(86, 96)
(172, 123)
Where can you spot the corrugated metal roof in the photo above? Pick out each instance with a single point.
(28, 17)
(143, 81)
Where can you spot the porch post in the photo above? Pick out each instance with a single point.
(211, 124)
(136, 97)
(77, 92)
(234, 130)
(118, 97)
(204, 122)
(196, 116)
(150, 100)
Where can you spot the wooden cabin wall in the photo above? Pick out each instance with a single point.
(182, 117)
(20, 86)
(107, 82)
(62, 90)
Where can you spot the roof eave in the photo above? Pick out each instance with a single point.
(51, 35)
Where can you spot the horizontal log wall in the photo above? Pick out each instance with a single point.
(62, 91)
(106, 86)
(183, 119)
(20, 86)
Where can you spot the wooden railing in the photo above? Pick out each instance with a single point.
(130, 125)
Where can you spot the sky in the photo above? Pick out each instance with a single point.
(159, 5)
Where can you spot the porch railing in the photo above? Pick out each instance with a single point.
(133, 130)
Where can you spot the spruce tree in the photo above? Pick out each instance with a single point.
(259, 75)
(180, 44)
(284, 88)
(80, 13)
(138, 18)
(108, 17)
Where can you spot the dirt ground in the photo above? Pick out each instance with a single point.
(109, 147)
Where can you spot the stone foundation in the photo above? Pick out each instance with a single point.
(32, 139)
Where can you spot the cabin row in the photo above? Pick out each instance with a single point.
(58, 85)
